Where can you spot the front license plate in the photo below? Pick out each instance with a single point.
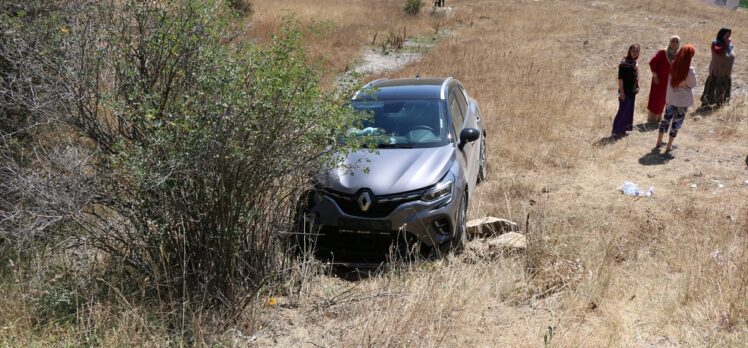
(360, 225)
(367, 232)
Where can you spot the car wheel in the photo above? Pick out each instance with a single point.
(483, 168)
(458, 240)
(457, 243)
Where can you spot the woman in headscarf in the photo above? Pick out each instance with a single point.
(660, 66)
(679, 96)
(628, 87)
(719, 82)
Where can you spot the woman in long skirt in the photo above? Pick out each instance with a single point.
(718, 84)
(660, 66)
(628, 87)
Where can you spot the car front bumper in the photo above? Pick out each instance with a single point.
(431, 223)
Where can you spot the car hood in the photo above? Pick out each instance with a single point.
(390, 171)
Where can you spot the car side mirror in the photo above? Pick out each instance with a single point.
(468, 135)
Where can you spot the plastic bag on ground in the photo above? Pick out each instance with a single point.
(631, 189)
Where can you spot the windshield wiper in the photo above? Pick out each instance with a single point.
(395, 146)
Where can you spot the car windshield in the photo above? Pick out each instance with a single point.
(404, 124)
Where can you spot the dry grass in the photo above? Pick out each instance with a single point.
(602, 269)
(338, 30)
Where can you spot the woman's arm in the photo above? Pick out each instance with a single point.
(621, 93)
(691, 79)
(654, 66)
(654, 62)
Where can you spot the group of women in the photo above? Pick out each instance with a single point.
(673, 78)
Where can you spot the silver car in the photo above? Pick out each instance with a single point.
(415, 188)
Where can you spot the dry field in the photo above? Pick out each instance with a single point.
(602, 269)
(338, 30)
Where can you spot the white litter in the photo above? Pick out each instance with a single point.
(718, 257)
(631, 189)
(693, 185)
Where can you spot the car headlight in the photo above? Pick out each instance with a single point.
(441, 190)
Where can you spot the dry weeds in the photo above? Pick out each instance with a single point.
(338, 30)
(602, 269)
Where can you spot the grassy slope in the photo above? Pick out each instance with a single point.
(602, 269)
(607, 269)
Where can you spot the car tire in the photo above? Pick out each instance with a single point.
(458, 241)
(483, 169)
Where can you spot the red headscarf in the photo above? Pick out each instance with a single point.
(681, 64)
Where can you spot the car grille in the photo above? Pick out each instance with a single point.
(381, 205)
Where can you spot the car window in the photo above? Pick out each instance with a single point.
(455, 112)
(404, 123)
(460, 95)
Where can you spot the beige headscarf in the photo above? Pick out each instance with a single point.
(670, 51)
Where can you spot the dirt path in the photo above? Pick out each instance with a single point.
(384, 59)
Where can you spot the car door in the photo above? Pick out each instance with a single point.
(469, 150)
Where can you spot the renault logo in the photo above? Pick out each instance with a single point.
(364, 201)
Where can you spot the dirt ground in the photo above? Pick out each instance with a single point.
(601, 269)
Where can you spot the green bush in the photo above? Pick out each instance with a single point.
(195, 149)
(412, 7)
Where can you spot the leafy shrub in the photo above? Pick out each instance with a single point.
(193, 147)
(412, 7)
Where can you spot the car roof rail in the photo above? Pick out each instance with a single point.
(444, 87)
(368, 85)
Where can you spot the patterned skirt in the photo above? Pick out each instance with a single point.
(716, 90)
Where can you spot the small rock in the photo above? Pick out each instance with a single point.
(693, 185)
(650, 175)
(720, 185)
(512, 240)
(489, 226)
(547, 190)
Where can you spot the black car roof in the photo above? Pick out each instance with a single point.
(403, 89)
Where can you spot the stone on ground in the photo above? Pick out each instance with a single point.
(509, 240)
(490, 226)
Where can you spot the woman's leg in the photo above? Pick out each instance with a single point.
(708, 97)
(679, 116)
(665, 124)
(653, 117)
(619, 122)
(659, 139)
(722, 90)
(630, 102)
